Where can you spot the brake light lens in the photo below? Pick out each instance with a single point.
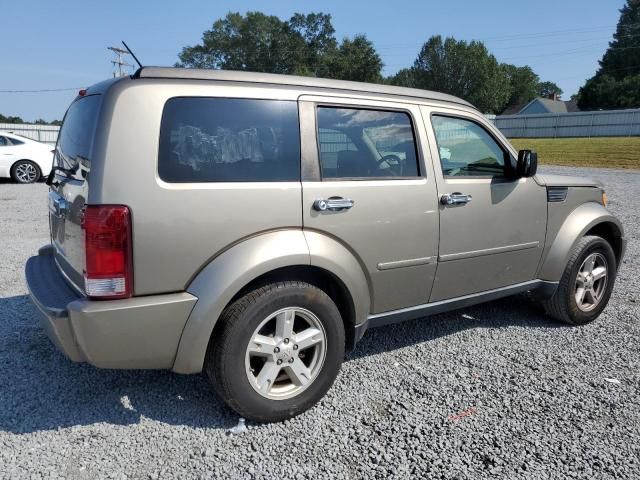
(108, 270)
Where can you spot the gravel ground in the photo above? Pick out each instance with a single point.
(491, 391)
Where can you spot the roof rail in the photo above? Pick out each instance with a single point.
(271, 78)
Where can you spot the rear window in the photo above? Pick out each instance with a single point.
(229, 140)
(76, 134)
(14, 141)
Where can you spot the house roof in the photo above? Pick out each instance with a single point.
(514, 109)
(549, 105)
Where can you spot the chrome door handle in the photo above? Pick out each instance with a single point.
(334, 204)
(455, 198)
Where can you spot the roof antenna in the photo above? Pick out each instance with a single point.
(131, 53)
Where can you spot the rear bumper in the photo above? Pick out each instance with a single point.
(139, 332)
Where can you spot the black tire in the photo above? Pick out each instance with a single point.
(563, 306)
(225, 361)
(21, 179)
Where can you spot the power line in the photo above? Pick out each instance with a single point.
(44, 90)
(119, 62)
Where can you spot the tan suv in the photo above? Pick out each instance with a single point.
(254, 226)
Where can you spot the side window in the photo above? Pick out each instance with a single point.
(4, 142)
(229, 140)
(332, 143)
(13, 141)
(466, 149)
(366, 143)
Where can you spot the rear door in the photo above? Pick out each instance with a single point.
(367, 182)
(493, 235)
(70, 188)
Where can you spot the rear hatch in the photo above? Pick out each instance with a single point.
(70, 182)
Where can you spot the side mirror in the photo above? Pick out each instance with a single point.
(527, 165)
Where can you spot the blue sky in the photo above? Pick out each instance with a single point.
(61, 44)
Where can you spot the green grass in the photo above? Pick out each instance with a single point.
(598, 152)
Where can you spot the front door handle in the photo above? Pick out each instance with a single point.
(333, 204)
(455, 198)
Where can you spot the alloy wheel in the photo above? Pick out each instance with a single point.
(26, 172)
(286, 353)
(591, 282)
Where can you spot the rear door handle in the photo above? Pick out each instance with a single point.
(455, 198)
(333, 204)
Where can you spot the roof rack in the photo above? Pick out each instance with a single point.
(271, 78)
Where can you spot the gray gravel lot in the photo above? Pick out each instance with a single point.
(491, 391)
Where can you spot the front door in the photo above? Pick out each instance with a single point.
(367, 185)
(492, 228)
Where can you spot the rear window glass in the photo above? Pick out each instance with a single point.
(76, 134)
(366, 143)
(229, 140)
(14, 141)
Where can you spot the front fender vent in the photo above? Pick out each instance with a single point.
(557, 194)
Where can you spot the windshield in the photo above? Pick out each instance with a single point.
(76, 135)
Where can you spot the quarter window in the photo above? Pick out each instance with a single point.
(366, 143)
(466, 149)
(229, 140)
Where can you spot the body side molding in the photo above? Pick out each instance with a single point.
(542, 288)
(488, 251)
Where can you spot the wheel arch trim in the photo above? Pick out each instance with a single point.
(225, 276)
(578, 223)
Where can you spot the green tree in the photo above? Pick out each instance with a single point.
(523, 84)
(606, 92)
(317, 41)
(10, 119)
(616, 84)
(256, 42)
(303, 45)
(355, 59)
(465, 69)
(544, 89)
(403, 78)
(622, 58)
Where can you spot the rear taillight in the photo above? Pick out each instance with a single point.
(108, 270)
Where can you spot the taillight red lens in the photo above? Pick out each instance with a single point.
(108, 251)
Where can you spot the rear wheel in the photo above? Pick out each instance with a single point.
(586, 284)
(277, 351)
(25, 171)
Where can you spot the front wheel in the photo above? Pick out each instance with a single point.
(277, 351)
(586, 284)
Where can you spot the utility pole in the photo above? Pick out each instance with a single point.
(119, 62)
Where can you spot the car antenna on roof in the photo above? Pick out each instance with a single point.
(131, 53)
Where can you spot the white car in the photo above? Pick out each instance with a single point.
(23, 159)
